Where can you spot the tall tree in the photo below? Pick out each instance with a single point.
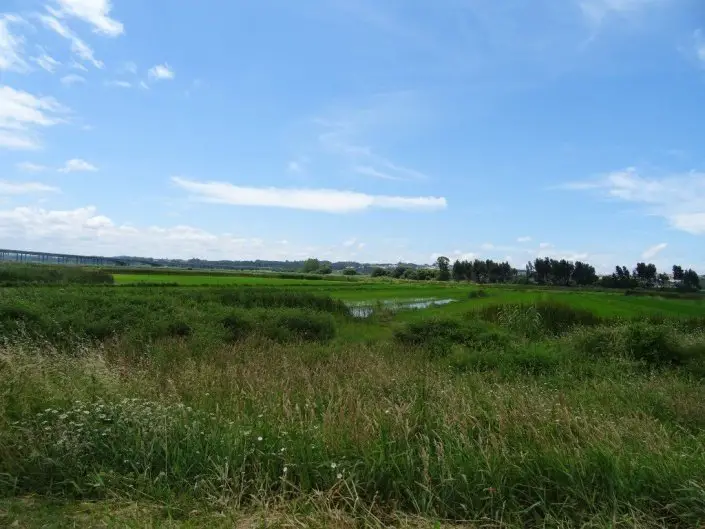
(530, 271)
(443, 264)
(677, 273)
(458, 270)
(645, 274)
(311, 265)
(662, 280)
(691, 280)
(584, 274)
(543, 269)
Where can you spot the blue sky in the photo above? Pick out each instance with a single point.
(373, 130)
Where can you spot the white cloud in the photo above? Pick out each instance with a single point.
(699, 42)
(595, 11)
(680, 199)
(23, 188)
(15, 141)
(46, 62)
(350, 242)
(78, 46)
(652, 252)
(453, 256)
(29, 167)
(295, 167)
(545, 245)
(21, 113)
(347, 130)
(119, 84)
(72, 79)
(327, 200)
(524, 239)
(86, 231)
(371, 171)
(487, 246)
(161, 72)
(11, 45)
(94, 12)
(77, 165)
(78, 66)
(128, 67)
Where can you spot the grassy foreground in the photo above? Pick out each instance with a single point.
(511, 415)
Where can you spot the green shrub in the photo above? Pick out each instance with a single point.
(439, 335)
(237, 326)
(653, 344)
(549, 317)
(292, 324)
(20, 274)
(179, 328)
(431, 330)
(657, 345)
(248, 297)
(595, 342)
(462, 358)
(527, 359)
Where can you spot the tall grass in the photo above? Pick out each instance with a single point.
(141, 315)
(20, 274)
(356, 424)
(208, 400)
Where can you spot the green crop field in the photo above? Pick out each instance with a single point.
(247, 401)
(214, 279)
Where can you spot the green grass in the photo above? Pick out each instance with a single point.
(268, 405)
(14, 274)
(204, 280)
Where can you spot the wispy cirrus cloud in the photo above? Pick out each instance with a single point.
(72, 79)
(21, 116)
(24, 188)
(351, 134)
(324, 200)
(653, 251)
(30, 167)
(79, 47)
(94, 12)
(375, 173)
(596, 11)
(46, 62)
(119, 84)
(74, 165)
(699, 46)
(338, 139)
(11, 44)
(679, 198)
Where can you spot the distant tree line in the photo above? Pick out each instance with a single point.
(546, 271)
(404, 271)
(314, 266)
(541, 271)
(487, 271)
(647, 276)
